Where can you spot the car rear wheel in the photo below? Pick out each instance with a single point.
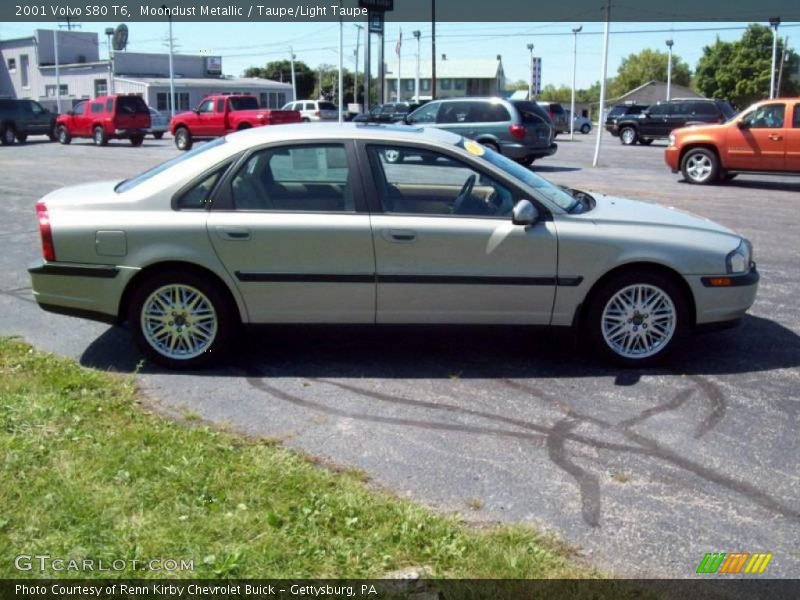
(183, 139)
(637, 318)
(700, 165)
(180, 321)
(8, 135)
(137, 140)
(21, 137)
(585, 128)
(62, 133)
(158, 134)
(492, 145)
(628, 136)
(99, 136)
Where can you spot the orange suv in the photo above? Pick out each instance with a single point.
(765, 138)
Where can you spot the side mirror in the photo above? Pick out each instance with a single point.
(71, 113)
(742, 124)
(524, 213)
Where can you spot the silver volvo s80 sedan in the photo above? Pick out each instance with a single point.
(324, 224)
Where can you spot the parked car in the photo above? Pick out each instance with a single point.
(580, 123)
(764, 138)
(520, 130)
(659, 120)
(221, 114)
(105, 118)
(391, 112)
(557, 115)
(21, 118)
(314, 110)
(159, 123)
(311, 224)
(622, 110)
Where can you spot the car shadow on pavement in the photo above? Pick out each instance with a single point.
(411, 352)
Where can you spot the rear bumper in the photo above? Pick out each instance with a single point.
(716, 305)
(126, 133)
(519, 151)
(672, 156)
(83, 290)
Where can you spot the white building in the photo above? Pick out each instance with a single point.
(28, 70)
(454, 78)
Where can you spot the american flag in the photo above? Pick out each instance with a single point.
(399, 43)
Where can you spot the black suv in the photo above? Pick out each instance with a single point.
(658, 120)
(622, 110)
(21, 118)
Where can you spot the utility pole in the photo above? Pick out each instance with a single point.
(355, 79)
(575, 32)
(341, 67)
(604, 70)
(294, 81)
(774, 22)
(58, 72)
(669, 68)
(399, 50)
(417, 35)
(110, 87)
(530, 73)
(171, 69)
(433, 49)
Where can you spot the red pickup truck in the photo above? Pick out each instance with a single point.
(216, 116)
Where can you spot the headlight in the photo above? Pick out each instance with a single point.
(739, 260)
(671, 139)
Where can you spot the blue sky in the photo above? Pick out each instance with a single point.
(245, 44)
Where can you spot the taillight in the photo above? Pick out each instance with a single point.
(517, 132)
(48, 249)
(316, 113)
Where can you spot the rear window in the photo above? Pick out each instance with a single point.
(245, 103)
(530, 112)
(327, 106)
(131, 105)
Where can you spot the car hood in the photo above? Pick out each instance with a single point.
(615, 210)
(699, 128)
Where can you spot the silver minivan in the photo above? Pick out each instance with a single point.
(520, 130)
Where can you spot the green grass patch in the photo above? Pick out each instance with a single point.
(87, 473)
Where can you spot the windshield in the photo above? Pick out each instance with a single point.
(552, 192)
(129, 184)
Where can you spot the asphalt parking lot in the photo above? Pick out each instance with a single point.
(642, 471)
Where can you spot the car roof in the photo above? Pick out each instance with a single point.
(345, 131)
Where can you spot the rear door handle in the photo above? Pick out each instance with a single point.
(236, 234)
(399, 236)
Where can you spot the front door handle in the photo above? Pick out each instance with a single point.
(236, 234)
(775, 137)
(399, 236)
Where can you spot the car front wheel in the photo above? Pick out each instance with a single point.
(700, 165)
(180, 321)
(628, 136)
(183, 139)
(637, 318)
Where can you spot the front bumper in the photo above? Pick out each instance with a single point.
(84, 290)
(613, 129)
(717, 303)
(672, 156)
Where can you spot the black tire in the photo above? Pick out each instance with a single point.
(183, 139)
(137, 140)
(244, 126)
(645, 141)
(493, 146)
(99, 136)
(700, 166)
(21, 137)
(53, 134)
(63, 135)
(527, 161)
(593, 325)
(8, 135)
(724, 177)
(223, 312)
(628, 136)
(586, 128)
(158, 134)
(306, 120)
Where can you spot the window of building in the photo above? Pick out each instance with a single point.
(425, 85)
(100, 87)
(409, 85)
(12, 64)
(447, 84)
(459, 84)
(23, 64)
(181, 101)
(50, 90)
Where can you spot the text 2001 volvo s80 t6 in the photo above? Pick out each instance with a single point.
(302, 224)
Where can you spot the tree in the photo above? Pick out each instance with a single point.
(739, 71)
(648, 65)
(281, 70)
(520, 84)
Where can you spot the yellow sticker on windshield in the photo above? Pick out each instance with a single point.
(474, 148)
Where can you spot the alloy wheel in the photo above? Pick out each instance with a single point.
(639, 321)
(698, 167)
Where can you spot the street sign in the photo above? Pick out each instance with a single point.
(375, 22)
(536, 75)
(377, 5)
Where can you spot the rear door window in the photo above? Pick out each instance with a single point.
(327, 106)
(704, 108)
(454, 112)
(796, 119)
(425, 114)
(97, 107)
